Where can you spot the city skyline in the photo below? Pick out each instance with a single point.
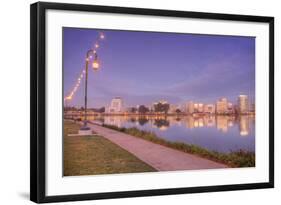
(154, 66)
(221, 106)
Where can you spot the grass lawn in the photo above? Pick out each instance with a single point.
(89, 155)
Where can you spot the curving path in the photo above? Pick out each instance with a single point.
(158, 156)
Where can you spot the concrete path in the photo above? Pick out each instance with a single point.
(159, 157)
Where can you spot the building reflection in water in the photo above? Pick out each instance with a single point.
(162, 124)
(244, 125)
(113, 120)
(222, 123)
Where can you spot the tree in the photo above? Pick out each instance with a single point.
(161, 107)
(142, 121)
(143, 109)
(133, 120)
(102, 109)
(178, 111)
(133, 110)
(161, 123)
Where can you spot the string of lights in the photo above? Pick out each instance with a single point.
(96, 46)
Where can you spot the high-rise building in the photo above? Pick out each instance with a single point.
(243, 104)
(222, 106)
(198, 107)
(116, 105)
(190, 107)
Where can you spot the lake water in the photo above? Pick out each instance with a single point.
(218, 133)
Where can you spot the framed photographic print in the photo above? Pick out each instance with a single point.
(129, 102)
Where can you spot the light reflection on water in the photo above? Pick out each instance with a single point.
(219, 133)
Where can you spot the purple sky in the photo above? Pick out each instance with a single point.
(143, 67)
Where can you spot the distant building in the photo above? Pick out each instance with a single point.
(198, 107)
(116, 105)
(172, 109)
(195, 107)
(209, 108)
(243, 104)
(190, 107)
(253, 107)
(222, 106)
(230, 108)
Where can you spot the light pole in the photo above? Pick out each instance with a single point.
(90, 53)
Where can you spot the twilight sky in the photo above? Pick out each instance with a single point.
(144, 67)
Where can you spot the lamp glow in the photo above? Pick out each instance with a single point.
(96, 65)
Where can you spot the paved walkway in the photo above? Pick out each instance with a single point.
(160, 157)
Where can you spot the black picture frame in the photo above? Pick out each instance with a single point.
(38, 101)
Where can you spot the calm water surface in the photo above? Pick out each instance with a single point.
(219, 133)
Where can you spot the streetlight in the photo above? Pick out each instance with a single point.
(85, 130)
